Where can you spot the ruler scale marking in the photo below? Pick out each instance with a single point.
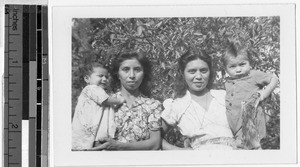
(14, 82)
(26, 84)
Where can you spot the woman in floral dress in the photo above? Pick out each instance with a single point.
(138, 121)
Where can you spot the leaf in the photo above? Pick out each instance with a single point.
(140, 30)
(198, 34)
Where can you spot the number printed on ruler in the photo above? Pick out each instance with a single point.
(13, 85)
(26, 85)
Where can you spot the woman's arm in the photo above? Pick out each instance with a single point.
(153, 143)
(165, 144)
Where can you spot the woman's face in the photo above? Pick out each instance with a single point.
(131, 74)
(196, 75)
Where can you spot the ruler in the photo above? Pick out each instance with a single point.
(26, 85)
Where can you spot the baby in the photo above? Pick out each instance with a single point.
(94, 116)
(242, 85)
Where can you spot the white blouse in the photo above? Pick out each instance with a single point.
(194, 121)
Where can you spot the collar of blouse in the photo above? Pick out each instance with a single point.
(183, 103)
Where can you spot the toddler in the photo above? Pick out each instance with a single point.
(242, 85)
(94, 116)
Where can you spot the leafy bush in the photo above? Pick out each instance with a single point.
(163, 40)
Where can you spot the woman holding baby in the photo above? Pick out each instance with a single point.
(198, 111)
(138, 121)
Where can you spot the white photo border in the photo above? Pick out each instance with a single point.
(61, 81)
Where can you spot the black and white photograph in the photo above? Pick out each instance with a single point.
(133, 82)
(178, 72)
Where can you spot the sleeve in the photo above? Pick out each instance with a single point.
(227, 86)
(219, 95)
(262, 78)
(169, 114)
(86, 119)
(95, 93)
(86, 113)
(154, 118)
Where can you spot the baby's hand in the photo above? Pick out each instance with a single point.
(262, 95)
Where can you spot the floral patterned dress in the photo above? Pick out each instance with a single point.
(135, 122)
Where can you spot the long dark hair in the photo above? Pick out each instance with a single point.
(146, 64)
(190, 55)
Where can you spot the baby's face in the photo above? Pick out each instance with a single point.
(99, 77)
(237, 67)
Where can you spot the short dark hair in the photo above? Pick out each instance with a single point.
(87, 69)
(146, 64)
(190, 55)
(235, 49)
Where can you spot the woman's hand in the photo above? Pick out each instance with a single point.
(187, 143)
(107, 144)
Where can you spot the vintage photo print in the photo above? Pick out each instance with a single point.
(164, 41)
(210, 81)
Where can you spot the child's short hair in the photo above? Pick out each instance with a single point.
(235, 49)
(87, 69)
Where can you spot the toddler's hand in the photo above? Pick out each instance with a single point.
(262, 95)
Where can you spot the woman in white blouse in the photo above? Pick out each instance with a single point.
(198, 111)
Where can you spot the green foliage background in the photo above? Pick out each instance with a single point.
(163, 40)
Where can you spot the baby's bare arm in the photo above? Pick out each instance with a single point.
(114, 100)
(264, 93)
